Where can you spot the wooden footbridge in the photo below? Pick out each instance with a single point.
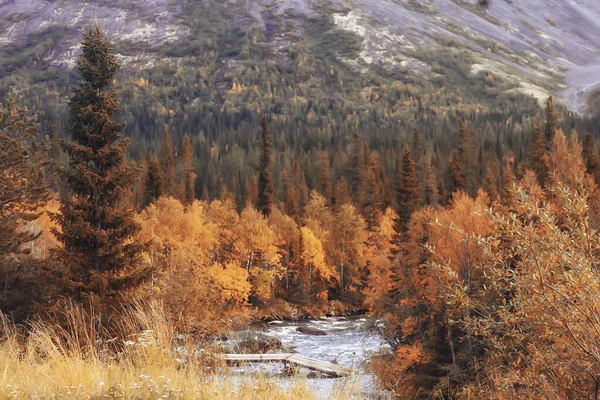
(328, 369)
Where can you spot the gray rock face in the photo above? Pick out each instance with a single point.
(547, 46)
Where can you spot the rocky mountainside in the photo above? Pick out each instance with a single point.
(544, 45)
(319, 66)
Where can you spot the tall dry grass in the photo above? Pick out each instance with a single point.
(147, 360)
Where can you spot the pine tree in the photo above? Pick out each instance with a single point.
(538, 156)
(407, 190)
(96, 227)
(508, 180)
(341, 194)
(589, 156)
(491, 179)
(418, 145)
(455, 170)
(265, 178)
(551, 123)
(372, 204)
(291, 198)
(253, 192)
(299, 179)
(324, 181)
(153, 182)
(357, 168)
(167, 165)
(418, 153)
(188, 182)
(431, 196)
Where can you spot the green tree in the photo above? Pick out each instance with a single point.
(407, 191)
(357, 168)
(96, 225)
(291, 198)
(431, 196)
(265, 178)
(153, 182)
(324, 181)
(167, 164)
(373, 196)
(538, 155)
(589, 156)
(551, 123)
(188, 179)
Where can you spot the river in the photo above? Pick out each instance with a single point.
(349, 341)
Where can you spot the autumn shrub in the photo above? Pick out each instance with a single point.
(535, 306)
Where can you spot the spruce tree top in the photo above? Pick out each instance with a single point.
(92, 105)
(97, 65)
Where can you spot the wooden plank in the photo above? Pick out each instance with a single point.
(256, 357)
(319, 365)
(310, 363)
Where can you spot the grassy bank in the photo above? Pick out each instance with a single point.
(71, 361)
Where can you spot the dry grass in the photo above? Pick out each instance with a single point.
(71, 361)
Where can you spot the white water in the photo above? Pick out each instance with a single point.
(349, 342)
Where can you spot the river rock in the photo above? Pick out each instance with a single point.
(257, 343)
(311, 331)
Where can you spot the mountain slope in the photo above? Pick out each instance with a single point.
(543, 45)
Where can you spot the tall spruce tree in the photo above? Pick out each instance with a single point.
(551, 123)
(538, 156)
(153, 181)
(357, 168)
(95, 224)
(491, 178)
(324, 181)
(188, 178)
(407, 190)
(167, 165)
(589, 156)
(455, 172)
(266, 190)
(431, 196)
(373, 196)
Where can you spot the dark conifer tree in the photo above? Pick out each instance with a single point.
(266, 190)
(341, 194)
(491, 178)
(431, 196)
(357, 168)
(153, 182)
(589, 156)
(418, 154)
(373, 193)
(167, 165)
(508, 180)
(188, 181)
(253, 192)
(291, 198)
(95, 224)
(538, 156)
(300, 185)
(407, 191)
(455, 171)
(324, 181)
(418, 145)
(551, 123)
